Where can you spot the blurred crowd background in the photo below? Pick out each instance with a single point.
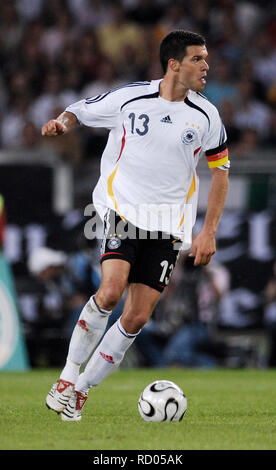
(55, 52)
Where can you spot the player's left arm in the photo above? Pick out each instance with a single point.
(204, 244)
(216, 153)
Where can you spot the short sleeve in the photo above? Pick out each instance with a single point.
(99, 111)
(215, 144)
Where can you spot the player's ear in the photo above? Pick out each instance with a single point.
(174, 65)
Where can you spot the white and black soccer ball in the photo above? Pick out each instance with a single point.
(162, 400)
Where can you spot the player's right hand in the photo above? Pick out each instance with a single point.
(53, 128)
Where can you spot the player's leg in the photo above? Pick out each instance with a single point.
(93, 318)
(151, 273)
(89, 329)
(107, 357)
(139, 306)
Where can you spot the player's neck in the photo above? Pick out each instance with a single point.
(172, 91)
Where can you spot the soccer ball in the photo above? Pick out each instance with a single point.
(162, 400)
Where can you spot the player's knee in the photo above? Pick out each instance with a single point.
(141, 323)
(134, 323)
(109, 296)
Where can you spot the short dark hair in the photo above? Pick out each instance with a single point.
(174, 45)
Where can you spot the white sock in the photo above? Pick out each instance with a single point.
(106, 358)
(85, 338)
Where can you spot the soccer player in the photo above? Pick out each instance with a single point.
(148, 189)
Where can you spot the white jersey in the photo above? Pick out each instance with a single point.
(148, 168)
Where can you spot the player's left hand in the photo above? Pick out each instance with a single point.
(203, 248)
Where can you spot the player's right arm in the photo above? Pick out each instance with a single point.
(99, 111)
(61, 125)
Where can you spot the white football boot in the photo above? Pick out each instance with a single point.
(59, 395)
(73, 411)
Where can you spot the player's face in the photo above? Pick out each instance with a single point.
(193, 68)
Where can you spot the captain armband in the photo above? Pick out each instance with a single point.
(218, 157)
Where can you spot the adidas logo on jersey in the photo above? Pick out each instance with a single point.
(166, 119)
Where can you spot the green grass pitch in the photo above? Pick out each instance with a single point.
(227, 410)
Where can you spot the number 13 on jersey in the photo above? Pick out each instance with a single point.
(142, 124)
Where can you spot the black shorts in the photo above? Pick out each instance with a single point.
(152, 257)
